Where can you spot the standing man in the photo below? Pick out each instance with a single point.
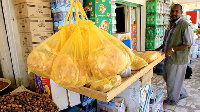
(177, 42)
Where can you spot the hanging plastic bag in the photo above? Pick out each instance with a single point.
(106, 57)
(88, 55)
(40, 60)
(70, 66)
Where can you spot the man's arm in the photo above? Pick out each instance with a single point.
(158, 49)
(187, 41)
(169, 51)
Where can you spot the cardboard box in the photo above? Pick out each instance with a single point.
(35, 45)
(146, 78)
(23, 10)
(26, 51)
(30, 1)
(35, 25)
(97, 8)
(39, 37)
(57, 93)
(25, 40)
(99, 11)
(124, 37)
(115, 105)
(103, 23)
(74, 98)
(34, 38)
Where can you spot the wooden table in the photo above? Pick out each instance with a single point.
(126, 82)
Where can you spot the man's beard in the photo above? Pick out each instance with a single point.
(173, 20)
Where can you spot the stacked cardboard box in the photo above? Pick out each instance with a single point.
(99, 11)
(34, 23)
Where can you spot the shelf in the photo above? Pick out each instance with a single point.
(126, 82)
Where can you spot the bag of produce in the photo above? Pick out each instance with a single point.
(106, 84)
(106, 57)
(89, 55)
(40, 60)
(138, 63)
(149, 56)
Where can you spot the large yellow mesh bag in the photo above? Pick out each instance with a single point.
(138, 63)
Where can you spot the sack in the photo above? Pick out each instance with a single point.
(106, 57)
(138, 63)
(106, 84)
(149, 56)
(70, 65)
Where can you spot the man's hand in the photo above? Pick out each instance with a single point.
(168, 52)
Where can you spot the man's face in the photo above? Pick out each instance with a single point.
(175, 12)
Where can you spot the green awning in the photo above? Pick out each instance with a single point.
(127, 3)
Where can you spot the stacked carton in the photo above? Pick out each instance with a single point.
(99, 11)
(34, 23)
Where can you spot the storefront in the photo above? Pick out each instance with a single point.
(26, 24)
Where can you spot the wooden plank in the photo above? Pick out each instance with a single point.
(21, 76)
(5, 58)
(90, 93)
(145, 78)
(126, 82)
